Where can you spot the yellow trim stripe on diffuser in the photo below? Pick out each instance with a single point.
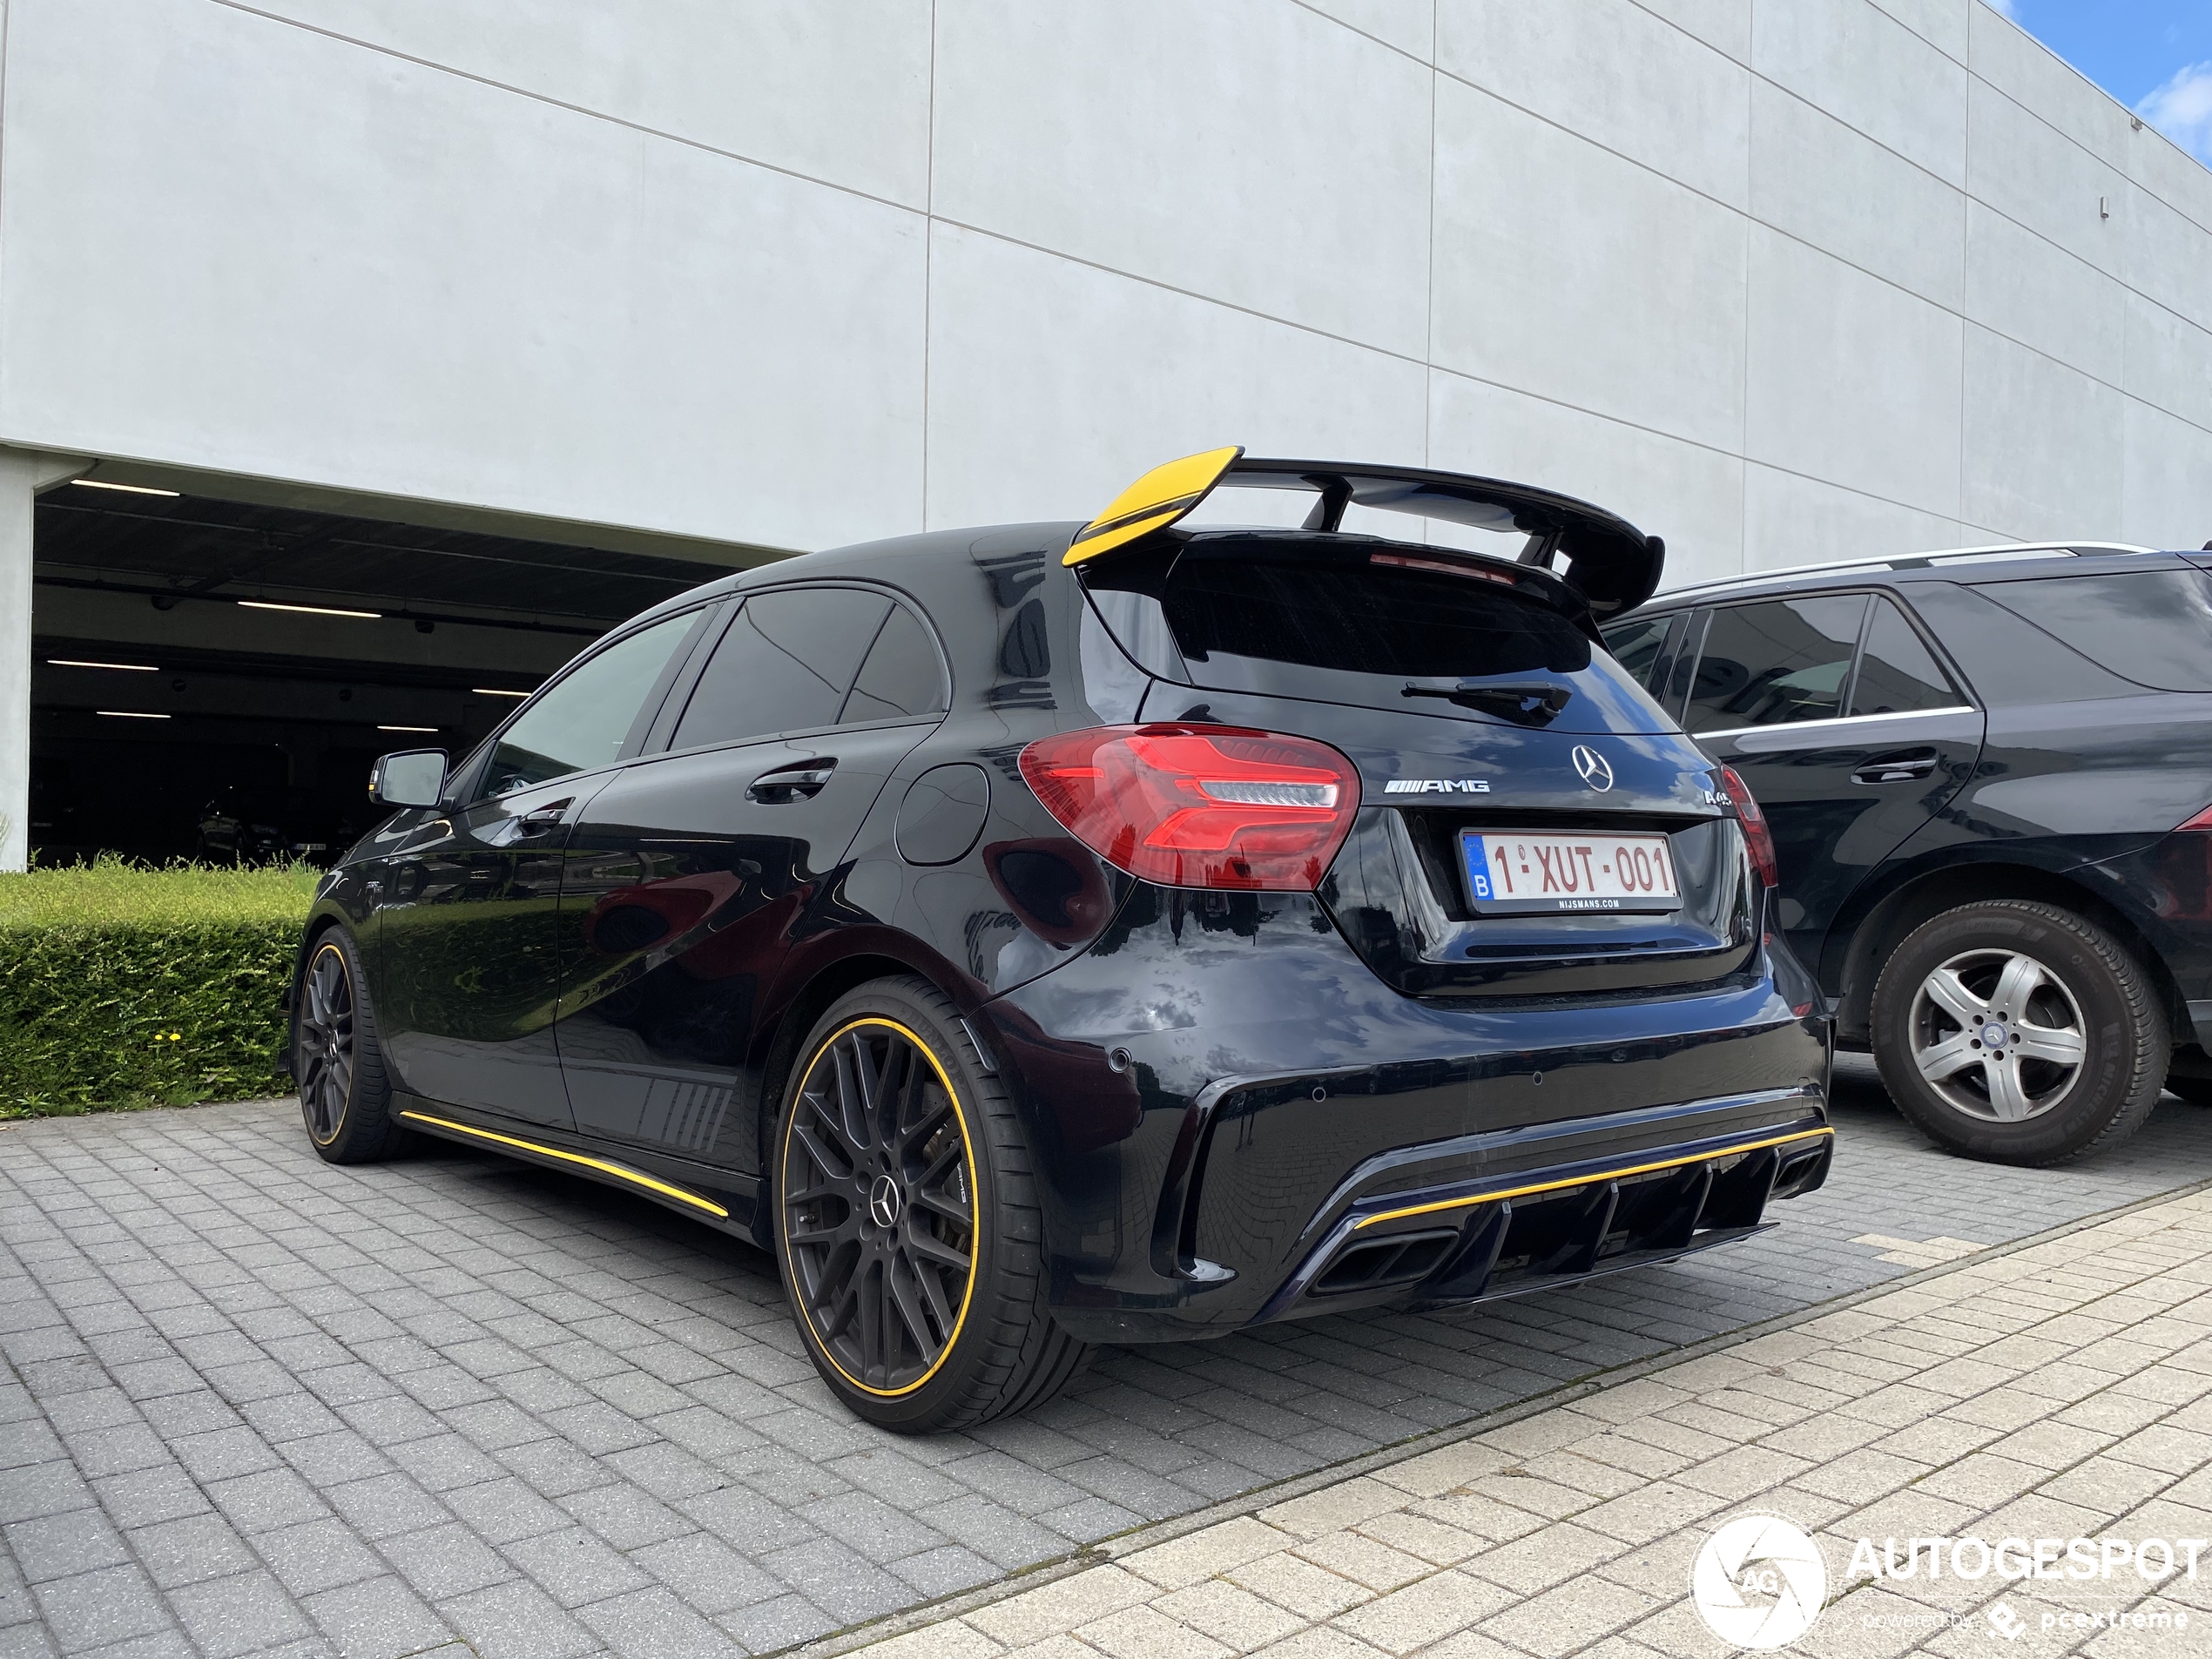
(1589, 1180)
(619, 1171)
(1153, 502)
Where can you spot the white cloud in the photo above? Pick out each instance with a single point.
(2005, 8)
(2183, 110)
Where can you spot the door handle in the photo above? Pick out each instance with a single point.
(545, 817)
(1899, 768)
(799, 780)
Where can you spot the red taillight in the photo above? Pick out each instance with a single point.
(1757, 836)
(2202, 821)
(1200, 806)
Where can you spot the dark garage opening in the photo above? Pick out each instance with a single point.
(212, 676)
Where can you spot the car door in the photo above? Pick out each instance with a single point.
(1847, 729)
(691, 875)
(466, 969)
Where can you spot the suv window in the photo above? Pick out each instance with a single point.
(791, 657)
(2153, 627)
(1638, 645)
(1896, 673)
(585, 718)
(1775, 662)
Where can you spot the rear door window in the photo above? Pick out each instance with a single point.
(901, 678)
(1775, 662)
(2153, 627)
(1897, 674)
(801, 659)
(1286, 621)
(1638, 645)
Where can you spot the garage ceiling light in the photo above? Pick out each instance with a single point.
(407, 728)
(127, 668)
(129, 714)
(493, 691)
(128, 490)
(311, 610)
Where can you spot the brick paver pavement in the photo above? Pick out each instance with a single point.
(252, 1403)
(2063, 1390)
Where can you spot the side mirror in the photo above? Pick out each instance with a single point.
(412, 777)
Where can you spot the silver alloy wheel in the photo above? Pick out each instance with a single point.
(1998, 1036)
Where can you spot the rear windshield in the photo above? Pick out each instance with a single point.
(1364, 629)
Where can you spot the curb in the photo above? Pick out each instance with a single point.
(1121, 1545)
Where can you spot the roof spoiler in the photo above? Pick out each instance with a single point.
(1615, 566)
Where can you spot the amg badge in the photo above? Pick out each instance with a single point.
(1437, 787)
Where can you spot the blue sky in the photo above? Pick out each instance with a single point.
(2153, 55)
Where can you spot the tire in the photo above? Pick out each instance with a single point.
(863, 1223)
(2080, 1061)
(345, 1088)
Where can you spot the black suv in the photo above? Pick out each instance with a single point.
(1065, 933)
(1988, 773)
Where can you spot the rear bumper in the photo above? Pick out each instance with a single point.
(1224, 1103)
(1507, 1234)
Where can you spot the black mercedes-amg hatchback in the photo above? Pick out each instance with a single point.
(1060, 934)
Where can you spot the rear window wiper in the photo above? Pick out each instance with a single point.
(1536, 703)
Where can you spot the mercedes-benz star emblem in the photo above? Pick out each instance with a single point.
(884, 1201)
(1594, 769)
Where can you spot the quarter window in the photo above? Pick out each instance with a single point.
(1896, 673)
(586, 718)
(2153, 627)
(1775, 663)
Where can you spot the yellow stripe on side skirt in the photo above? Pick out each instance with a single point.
(619, 1171)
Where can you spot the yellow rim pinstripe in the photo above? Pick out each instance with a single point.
(975, 1199)
(620, 1173)
(1591, 1180)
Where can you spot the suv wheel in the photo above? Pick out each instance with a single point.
(345, 1093)
(909, 1222)
(2019, 1033)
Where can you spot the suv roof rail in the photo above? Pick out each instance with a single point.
(1991, 554)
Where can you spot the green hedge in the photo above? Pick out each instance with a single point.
(125, 985)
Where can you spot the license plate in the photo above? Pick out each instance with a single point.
(1512, 871)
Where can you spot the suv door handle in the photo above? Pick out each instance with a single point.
(796, 780)
(545, 817)
(1899, 768)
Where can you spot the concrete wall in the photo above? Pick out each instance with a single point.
(1782, 279)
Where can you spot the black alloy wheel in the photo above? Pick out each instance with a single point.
(323, 1062)
(879, 1206)
(345, 1092)
(910, 1228)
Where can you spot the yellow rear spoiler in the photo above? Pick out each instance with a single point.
(1614, 565)
(1153, 502)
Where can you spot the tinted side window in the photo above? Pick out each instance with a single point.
(1638, 645)
(785, 665)
(2153, 627)
(901, 676)
(1896, 673)
(1777, 662)
(585, 718)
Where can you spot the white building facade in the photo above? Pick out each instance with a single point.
(1781, 280)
